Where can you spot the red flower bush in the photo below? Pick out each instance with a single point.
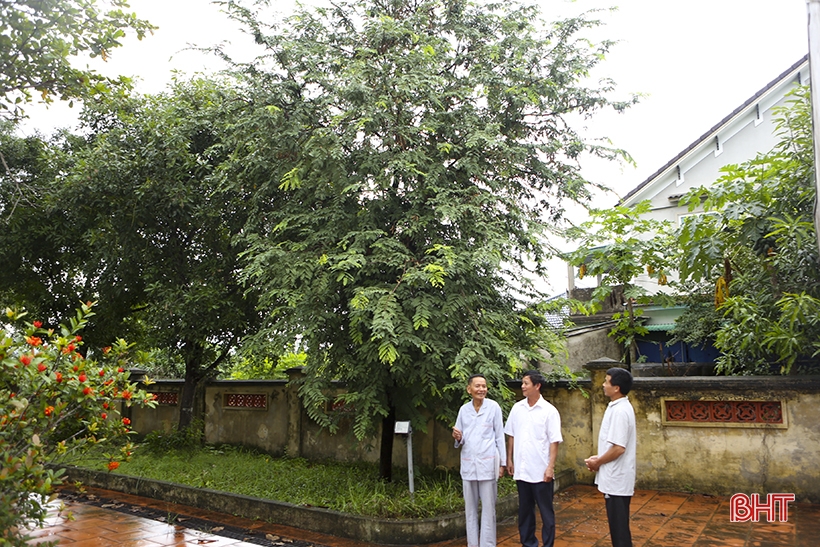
(68, 412)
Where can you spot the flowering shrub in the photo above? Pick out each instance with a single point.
(55, 402)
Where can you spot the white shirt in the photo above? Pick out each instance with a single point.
(617, 477)
(533, 429)
(482, 441)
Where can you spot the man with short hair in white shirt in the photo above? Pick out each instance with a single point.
(616, 463)
(479, 433)
(534, 432)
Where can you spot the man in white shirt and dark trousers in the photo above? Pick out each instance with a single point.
(616, 462)
(534, 432)
(479, 432)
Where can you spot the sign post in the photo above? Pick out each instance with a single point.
(403, 428)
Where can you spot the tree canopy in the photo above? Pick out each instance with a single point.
(409, 162)
(131, 215)
(42, 41)
(621, 244)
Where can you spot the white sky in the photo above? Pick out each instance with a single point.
(695, 61)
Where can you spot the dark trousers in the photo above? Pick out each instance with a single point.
(531, 494)
(617, 513)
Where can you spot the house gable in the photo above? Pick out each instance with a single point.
(746, 132)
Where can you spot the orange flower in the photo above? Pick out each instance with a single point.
(102, 373)
(41, 367)
(126, 395)
(113, 465)
(37, 324)
(59, 377)
(25, 359)
(34, 340)
(88, 391)
(48, 410)
(82, 377)
(126, 421)
(104, 415)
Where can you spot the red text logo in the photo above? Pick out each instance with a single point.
(743, 508)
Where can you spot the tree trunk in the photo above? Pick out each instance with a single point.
(194, 375)
(631, 350)
(188, 401)
(386, 447)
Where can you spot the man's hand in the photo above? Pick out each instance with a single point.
(549, 474)
(511, 469)
(457, 435)
(614, 452)
(500, 471)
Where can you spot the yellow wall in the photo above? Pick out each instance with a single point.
(715, 459)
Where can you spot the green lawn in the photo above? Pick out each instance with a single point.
(348, 487)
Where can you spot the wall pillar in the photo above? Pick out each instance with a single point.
(294, 445)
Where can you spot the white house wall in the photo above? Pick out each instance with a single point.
(741, 136)
(746, 134)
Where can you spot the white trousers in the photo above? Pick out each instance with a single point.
(487, 492)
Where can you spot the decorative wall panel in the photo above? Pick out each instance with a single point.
(166, 397)
(258, 401)
(726, 413)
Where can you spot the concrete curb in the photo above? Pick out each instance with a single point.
(373, 530)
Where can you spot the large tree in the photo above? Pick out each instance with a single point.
(421, 157)
(132, 215)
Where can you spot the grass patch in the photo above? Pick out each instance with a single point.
(352, 488)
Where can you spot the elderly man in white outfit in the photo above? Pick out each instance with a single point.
(479, 432)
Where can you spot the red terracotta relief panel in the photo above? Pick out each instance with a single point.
(246, 400)
(166, 397)
(750, 412)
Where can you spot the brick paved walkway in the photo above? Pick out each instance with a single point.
(659, 519)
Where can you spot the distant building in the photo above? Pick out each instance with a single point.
(743, 134)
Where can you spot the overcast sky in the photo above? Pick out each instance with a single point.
(694, 61)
